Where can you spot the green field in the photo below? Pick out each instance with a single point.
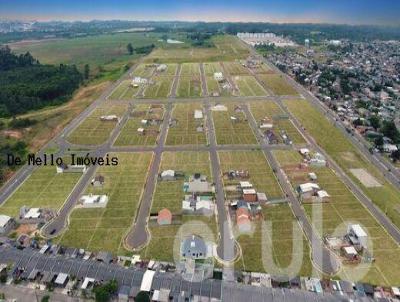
(104, 229)
(386, 197)
(45, 188)
(169, 194)
(144, 70)
(170, 71)
(262, 109)
(160, 88)
(225, 48)
(124, 91)
(93, 131)
(94, 50)
(212, 67)
(189, 87)
(277, 84)
(190, 69)
(129, 135)
(184, 132)
(343, 209)
(262, 68)
(281, 216)
(213, 87)
(230, 132)
(236, 68)
(248, 86)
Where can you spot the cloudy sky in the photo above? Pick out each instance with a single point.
(384, 12)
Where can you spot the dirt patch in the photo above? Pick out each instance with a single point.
(26, 229)
(365, 178)
(12, 133)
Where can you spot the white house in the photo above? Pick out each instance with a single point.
(307, 190)
(161, 67)
(218, 76)
(357, 235)
(389, 148)
(94, 201)
(7, 223)
(139, 80)
(168, 175)
(219, 107)
(198, 114)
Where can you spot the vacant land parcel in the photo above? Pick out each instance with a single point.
(160, 87)
(125, 90)
(225, 48)
(231, 126)
(169, 194)
(278, 244)
(186, 129)
(45, 188)
(96, 128)
(281, 123)
(123, 184)
(142, 127)
(189, 81)
(277, 84)
(343, 209)
(248, 85)
(386, 197)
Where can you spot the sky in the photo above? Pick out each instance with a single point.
(382, 12)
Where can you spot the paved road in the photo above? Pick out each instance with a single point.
(226, 245)
(138, 234)
(176, 81)
(322, 257)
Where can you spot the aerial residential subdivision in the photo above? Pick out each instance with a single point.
(199, 161)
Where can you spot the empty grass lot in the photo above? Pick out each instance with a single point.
(235, 68)
(45, 188)
(281, 216)
(124, 91)
(144, 71)
(184, 132)
(344, 208)
(262, 109)
(262, 68)
(105, 228)
(386, 197)
(225, 48)
(189, 84)
(229, 132)
(93, 131)
(248, 86)
(169, 194)
(277, 84)
(160, 88)
(129, 135)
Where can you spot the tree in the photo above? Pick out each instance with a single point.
(142, 297)
(389, 129)
(129, 47)
(104, 292)
(395, 155)
(379, 141)
(375, 121)
(86, 71)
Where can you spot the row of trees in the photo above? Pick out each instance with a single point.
(144, 50)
